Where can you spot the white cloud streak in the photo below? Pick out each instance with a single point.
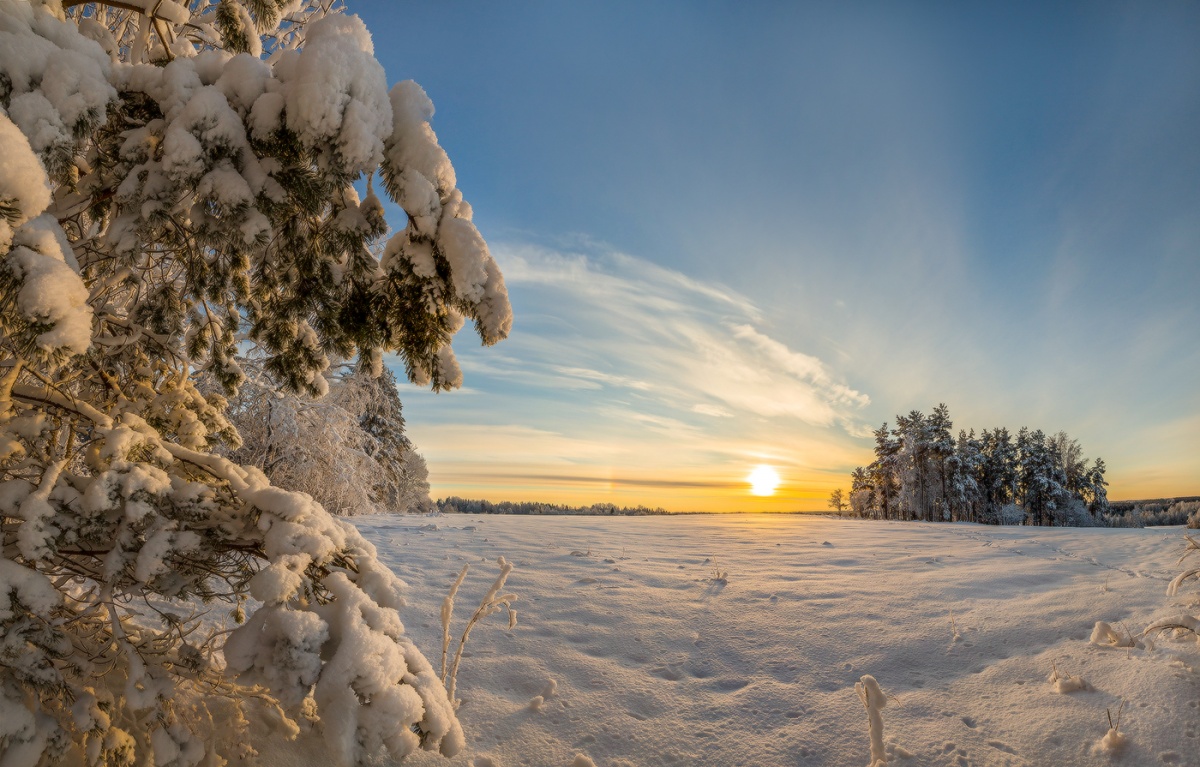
(621, 323)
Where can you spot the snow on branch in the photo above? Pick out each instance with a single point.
(178, 183)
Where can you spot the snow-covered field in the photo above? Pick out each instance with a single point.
(642, 656)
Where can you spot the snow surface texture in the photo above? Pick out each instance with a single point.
(640, 658)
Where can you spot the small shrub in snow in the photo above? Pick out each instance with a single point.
(720, 576)
(1009, 514)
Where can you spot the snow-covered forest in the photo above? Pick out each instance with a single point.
(922, 472)
(1155, 513)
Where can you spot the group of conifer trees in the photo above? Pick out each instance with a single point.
(921, 472)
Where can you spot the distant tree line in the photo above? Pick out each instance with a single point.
(456, 505)
(921, 472)
(1155, 513)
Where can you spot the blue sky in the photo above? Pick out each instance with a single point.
(742, 233)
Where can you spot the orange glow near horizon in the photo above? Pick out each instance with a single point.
(728, 491)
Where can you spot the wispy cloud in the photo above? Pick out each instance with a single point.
(627, 381)
(619, 322)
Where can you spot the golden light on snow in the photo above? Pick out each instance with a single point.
(763, 480)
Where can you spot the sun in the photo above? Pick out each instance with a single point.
(763, 480)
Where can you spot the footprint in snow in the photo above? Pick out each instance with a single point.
(731, 684)
(999, 746)
(670, 672)
(959, 756)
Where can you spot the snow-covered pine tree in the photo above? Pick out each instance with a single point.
(941, 450)
(320, 445)
(402, 481)
(174, 177)
(346, 449)
(964, 471)
(884, 472)
(998, 472)
(911, 435)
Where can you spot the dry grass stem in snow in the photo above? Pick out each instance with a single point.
(492, 603)
(1065, 683)
(874, 700)
(447, 611)
(1114, 740)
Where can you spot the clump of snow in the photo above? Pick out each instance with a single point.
(336, 92)
(58, 80)
(1104, 635)
(1066, 683)
(1113, 741)
(51, 294)
(24, 188)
